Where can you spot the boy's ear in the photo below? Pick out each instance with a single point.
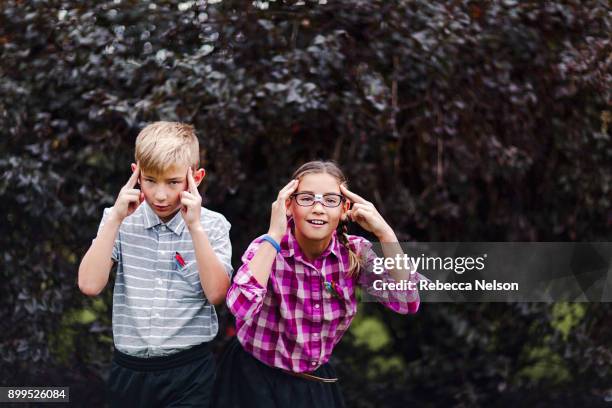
(199, 175)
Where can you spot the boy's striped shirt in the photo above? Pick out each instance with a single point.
(159, 307)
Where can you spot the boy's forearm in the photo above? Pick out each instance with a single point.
(213, 276)
(97, 263)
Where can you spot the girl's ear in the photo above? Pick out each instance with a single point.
(346, 206)
(288, 208)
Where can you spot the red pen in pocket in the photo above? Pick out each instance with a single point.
(179, 260)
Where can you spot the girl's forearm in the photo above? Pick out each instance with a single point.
(391, 248)
(261, 264)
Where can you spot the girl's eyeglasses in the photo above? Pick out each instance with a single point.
(330, 200)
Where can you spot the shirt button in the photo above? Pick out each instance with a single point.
(315, 334)
(163, 227)
(159, 281)
(156, 315)
(316, 306)
(314, 363)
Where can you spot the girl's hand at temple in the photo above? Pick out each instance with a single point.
(278, 218)
(367, 216)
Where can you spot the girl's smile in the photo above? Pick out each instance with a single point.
(315, 222)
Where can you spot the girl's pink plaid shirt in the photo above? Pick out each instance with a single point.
(294, 323)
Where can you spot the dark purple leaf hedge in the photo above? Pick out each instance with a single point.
(460, 120)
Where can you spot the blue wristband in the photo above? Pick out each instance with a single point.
(272, 241)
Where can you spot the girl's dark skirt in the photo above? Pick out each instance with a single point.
(244, 381)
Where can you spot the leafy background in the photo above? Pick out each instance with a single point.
(460, 120)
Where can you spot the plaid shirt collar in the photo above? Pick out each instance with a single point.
(176, 224)
(291, 248)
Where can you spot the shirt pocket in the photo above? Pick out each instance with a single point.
(187, 283)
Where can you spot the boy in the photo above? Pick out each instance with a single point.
(173, 265)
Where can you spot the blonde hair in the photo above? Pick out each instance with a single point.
(331, 168)
(161, 145)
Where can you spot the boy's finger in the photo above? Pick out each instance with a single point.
(352, 196)
(131, 194)
(194, 197)
(187, 199)
(133, 178)
(193, 188)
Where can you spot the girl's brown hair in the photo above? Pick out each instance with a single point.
(331, 168)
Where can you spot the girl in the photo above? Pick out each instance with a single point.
(294, 295)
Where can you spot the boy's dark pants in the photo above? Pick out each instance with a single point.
(184, 379)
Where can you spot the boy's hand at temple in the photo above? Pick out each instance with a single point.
(367, 216)
(213, 278)
(192, 203)
(129, 198)
(95, 266)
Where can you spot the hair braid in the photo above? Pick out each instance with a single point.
(354, 260)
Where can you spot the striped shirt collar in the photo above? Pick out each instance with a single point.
(290, 246)
(176, 224)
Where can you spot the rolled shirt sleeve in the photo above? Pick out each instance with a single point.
(219, 238)
(246, 295)
(117, 244)
(401, 299)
